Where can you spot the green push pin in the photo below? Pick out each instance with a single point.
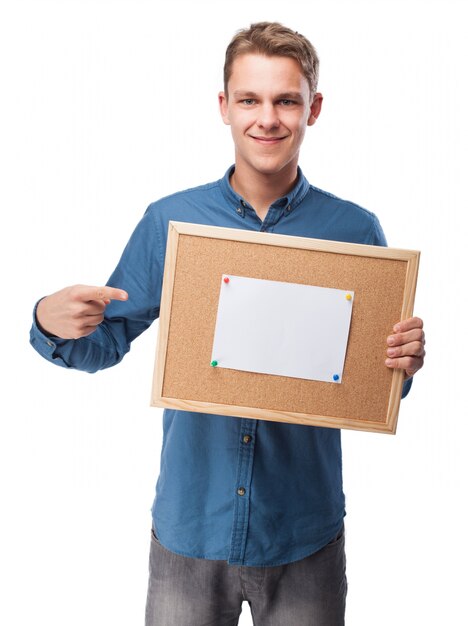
(214, 363)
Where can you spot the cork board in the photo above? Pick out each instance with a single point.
(383, 281)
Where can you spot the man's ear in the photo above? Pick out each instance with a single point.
(223, 107)
(315, 108)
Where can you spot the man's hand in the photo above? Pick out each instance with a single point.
(406, 346)
(76, 311)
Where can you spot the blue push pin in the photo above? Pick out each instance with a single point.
(336, 377)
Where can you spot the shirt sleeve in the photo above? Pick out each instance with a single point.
(378, 236)
(406, 387)
(139, 272)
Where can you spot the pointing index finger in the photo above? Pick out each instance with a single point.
(106, 293)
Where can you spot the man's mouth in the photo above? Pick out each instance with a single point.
(267, 140)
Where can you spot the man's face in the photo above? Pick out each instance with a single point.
(268, 108)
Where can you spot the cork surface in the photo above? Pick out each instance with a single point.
(378, 285)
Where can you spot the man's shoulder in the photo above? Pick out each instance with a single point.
(192, 195)
(333, 217)
(331, 200)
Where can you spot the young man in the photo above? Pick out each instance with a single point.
(244, 509)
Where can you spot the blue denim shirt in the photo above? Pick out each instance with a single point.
(248, 491)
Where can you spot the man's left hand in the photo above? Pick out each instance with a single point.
(406, 346)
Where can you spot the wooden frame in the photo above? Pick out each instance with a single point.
(384, 282)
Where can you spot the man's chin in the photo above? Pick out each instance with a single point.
(274, 169)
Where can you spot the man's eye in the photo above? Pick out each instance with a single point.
(248, 101)
(286, 102)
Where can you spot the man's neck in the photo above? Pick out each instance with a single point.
(261, 190)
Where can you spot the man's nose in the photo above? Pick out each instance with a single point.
(268, 117)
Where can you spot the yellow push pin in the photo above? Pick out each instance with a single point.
(349, 296)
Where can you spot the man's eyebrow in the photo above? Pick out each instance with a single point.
(238, 93)
(287, 95)
(290, 95)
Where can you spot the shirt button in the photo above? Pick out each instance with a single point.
(244, 204)
(241, 491)
(239, 210)
(50, 344)
(246, 438)
(288, 208)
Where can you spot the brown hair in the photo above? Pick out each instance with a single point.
(273, 39)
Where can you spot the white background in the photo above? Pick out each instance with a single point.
(107, 106)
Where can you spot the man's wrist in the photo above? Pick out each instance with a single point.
(38, 323)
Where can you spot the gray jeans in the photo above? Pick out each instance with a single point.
(196, 592)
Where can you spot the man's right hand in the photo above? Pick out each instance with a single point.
(76, 311)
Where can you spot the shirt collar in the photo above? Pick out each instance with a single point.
(287, 203)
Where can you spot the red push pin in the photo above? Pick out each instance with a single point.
(226, 279)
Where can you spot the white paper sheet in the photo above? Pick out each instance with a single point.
(287, 329)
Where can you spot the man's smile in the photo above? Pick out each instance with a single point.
(267, 140)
